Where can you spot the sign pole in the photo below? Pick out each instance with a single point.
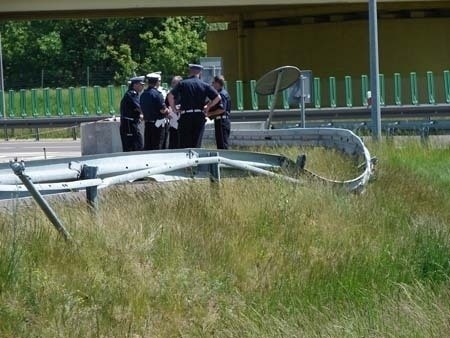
(2, 83)
(374, 71)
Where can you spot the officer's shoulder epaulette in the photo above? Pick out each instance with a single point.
(133, 92)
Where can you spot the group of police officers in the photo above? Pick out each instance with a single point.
(177, 120)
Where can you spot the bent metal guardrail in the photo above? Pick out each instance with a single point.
(94, 172)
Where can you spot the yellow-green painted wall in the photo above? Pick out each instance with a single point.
(339, 49)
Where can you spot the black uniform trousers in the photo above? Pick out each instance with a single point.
(222, 128)
(174, 138)
(154, 138)
(130, 135)
(191, 127)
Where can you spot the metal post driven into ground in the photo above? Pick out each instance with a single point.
(89, 172)
(19, 168)
(374, 71)
(214, 169)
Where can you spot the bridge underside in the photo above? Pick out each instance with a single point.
(40, 9)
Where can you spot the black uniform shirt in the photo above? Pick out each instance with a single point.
(152, 102)
(193, 93)
(129, 105)
(224, 103)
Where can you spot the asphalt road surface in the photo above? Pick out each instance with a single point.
(38, 150)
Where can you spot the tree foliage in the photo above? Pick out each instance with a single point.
(106, 51)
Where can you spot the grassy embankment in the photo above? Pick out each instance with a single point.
(261, 258)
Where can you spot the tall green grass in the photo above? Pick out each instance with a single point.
(250, 257)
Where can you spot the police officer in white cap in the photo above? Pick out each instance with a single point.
(193, 94)
(130, 115)
(155, 114)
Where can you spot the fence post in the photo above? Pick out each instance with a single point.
(239, 95)
(348, 91)
(317, 93)
(46, 94)
(59, 102)
(111, 102)
(72, 108)
(11, 101)
(254, 95)
(23, 103)
(97, 100)
(447, 85)
(382, 90)
(332, 81)
(430, 87)
(397, 89)
(413, 82)
(364, 90)
(34, 105)
(84, 101)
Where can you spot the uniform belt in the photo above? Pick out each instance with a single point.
(152, 121)
(222, 117)
(127, 118)
(192, 111)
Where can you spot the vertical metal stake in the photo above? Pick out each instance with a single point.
(214, 169)
(374, 70)
(88, 172)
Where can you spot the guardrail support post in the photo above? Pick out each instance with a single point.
(89, 172)
(19, 168)
(214, 169)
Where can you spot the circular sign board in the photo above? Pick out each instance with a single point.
(287, 75)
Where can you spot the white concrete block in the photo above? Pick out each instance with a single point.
(102, 137)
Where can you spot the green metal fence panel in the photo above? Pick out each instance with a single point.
(84, 100)
(97, 100)
(382, 90)
(364, 90)
(348, 91)
(447, 85)
(123, 90)
(254, 95)
(413, 87)
(11, 101)
(332, 85)
(317, 93)
(269, 101)
(59, 102)
(397, 89)
(23, 102)
(46, 97)
(2, 108)
(72, 109)
(430, 88)
(286, 99)
(239, 95)
(34, 104)
(111, 100)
